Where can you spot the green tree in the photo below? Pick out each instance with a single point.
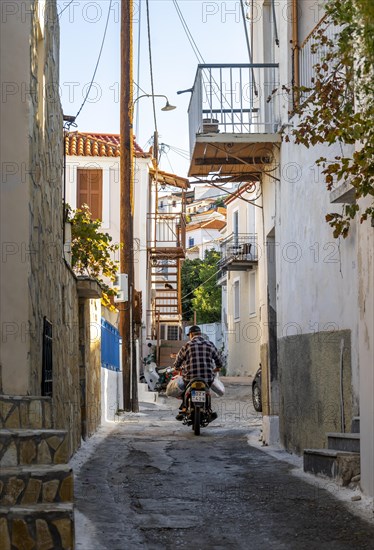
(200, 292)
(340, 105)
(92, 251)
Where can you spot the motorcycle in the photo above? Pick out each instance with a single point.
(198, 405)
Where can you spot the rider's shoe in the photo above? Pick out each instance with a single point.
(181, 414)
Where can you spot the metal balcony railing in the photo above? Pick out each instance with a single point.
(169, 230)
(310, 55)
(233, 99)
(239, 248)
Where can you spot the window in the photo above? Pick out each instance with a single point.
(252, 294)
(172, 332)
(174, 204)
(191, 242)
(90, 191)
(236, 288)
(161, 204)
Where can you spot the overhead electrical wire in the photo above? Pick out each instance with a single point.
(138, 66)
(199, 55)
(150, 65)
(98, 61)
(188, 33)
(201, 284)
(65, 8)
(248, 44)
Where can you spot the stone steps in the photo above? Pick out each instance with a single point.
(340, 465)
(26, 412)
(341, 459)
(21, 447)
(355, 427)
(24, 485)
(41, 526)
(349, 442)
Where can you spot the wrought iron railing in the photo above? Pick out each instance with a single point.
(234, 99)
(241, 247)
(310, 55)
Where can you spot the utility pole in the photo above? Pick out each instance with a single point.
(127, 207)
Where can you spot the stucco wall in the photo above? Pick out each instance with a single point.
(366, 353)
(310, 382)
(111, 394)
(93, 374)
(244, 334)
(14, 208)
(317, 275)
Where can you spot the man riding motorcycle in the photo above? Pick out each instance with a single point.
(198, 358)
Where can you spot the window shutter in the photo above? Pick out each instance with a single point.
(90, 191)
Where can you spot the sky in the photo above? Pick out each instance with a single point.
(216, 27)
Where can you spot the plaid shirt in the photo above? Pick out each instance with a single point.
(198, 358)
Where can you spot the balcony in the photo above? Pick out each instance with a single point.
(232, 124)
(310, 55)
(239, 252)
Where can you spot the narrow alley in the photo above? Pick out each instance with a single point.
(148, 482)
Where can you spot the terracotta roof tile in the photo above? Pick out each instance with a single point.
(212, 224)
(96, 145)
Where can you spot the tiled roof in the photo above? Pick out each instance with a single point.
(212, 224)
(84, 144)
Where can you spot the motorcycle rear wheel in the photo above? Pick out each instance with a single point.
(196, 421)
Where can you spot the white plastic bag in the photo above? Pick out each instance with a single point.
(217, 386)
(176, 387)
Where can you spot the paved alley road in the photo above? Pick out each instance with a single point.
(150, 483)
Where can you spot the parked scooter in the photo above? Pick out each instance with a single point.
(157, 378)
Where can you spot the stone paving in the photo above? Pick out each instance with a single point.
(147, 482)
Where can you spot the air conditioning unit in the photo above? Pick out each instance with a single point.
(122, 283)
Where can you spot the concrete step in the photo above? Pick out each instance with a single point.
(21, 447)
(355, 426)
(24, 485)
(26, 412)
(339, 465)
(39, 526)
(349, 442)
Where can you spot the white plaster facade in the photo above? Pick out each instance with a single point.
(111, 205)
(319, 285)
(201, 239)
(240, 297)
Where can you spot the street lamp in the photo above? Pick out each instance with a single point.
(167, 107)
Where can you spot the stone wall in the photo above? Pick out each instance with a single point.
(52, 286)
(90, 364)
(93, 379)
(309, 376)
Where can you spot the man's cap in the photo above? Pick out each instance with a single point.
(194, 329)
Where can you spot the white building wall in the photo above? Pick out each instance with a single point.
(366, 353)
(111, 394)
(205, 239)
(318, 270)
(244, 333)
